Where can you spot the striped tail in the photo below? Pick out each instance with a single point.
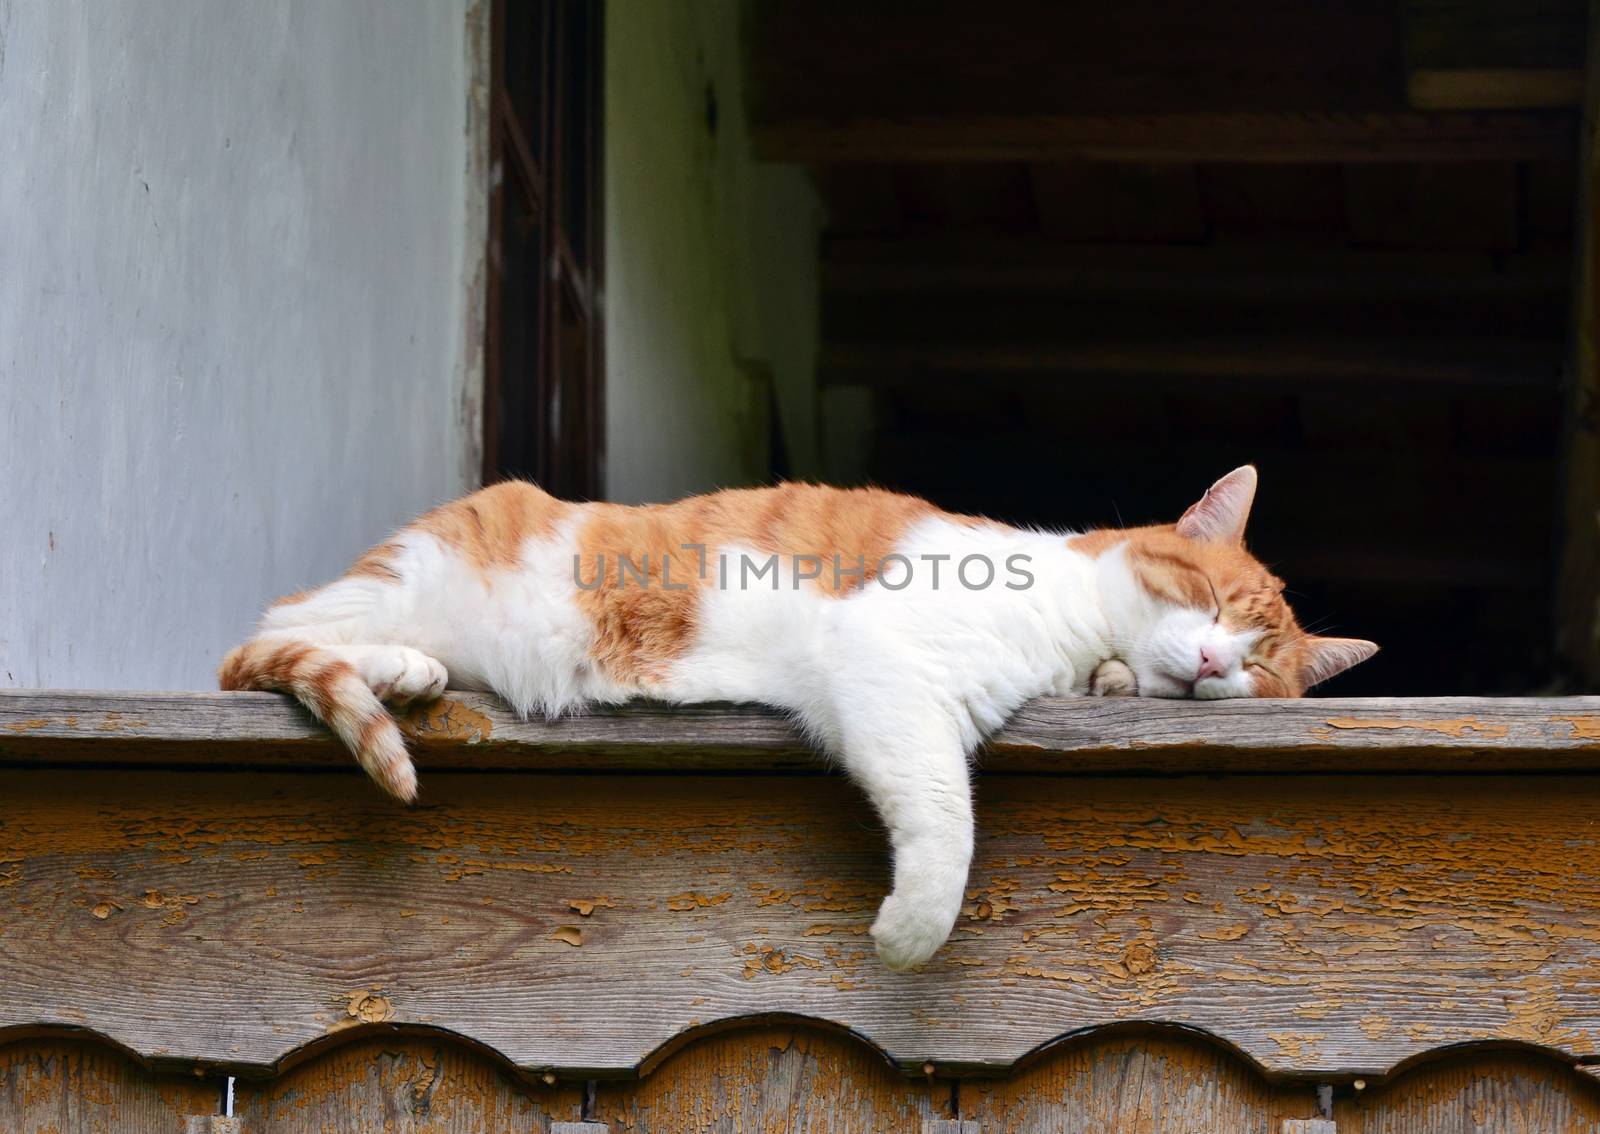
(336, 696)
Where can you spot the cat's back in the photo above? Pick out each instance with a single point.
(503, 526)
(791, 518)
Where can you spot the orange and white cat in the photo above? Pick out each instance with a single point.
(897, 635)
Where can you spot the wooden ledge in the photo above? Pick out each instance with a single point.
(474, 731)
(1323, 927)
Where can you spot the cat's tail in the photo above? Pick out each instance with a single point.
(330, 687)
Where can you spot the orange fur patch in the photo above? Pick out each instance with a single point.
(639, 626)
(490, 526)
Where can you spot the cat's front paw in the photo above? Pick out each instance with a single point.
(1113, 678)
(908, 932)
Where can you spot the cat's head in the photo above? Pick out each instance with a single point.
(1196, 615)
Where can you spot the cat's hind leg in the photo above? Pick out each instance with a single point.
(397, 674)
(357, 619)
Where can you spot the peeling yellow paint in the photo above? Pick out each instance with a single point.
(1457, 728)
(585, 907)
(363, 1006)
(1583, 728)
(446, 721)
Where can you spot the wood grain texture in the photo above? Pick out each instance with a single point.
(1482, 1093)
(1320, 925)
(469, 731)
(402, 1085)
(1136, 1084)
(212, 1124)
(797, 1080)
(54, 1086)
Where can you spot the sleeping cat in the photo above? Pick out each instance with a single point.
(897, 635)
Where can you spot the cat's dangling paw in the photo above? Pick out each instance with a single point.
(399, 674)
(1113, 678)
(907, 934)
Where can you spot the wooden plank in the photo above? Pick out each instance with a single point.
(475, 731)
(1523, 34)
(1494, 89)
(1270, 358)
(1417, 337)
(1148, 80)
(1322, 926)
(1146, 1082)
(1440, 136)
(1505, 1092)
(795, 1079)
(400, 1084)
(895, 59)
(65, 1086)
(1156, 80)
(966, 264)
(1495, 54)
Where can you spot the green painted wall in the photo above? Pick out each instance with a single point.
(711, 264)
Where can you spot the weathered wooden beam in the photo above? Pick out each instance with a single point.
(1494, 54)
(1146, 80)
(1446, 363)
(866, 265)
(1435, 136)
(1497, 89)
(474, 731)
(830, 60)
(63, 1085)
(1322, 926)
(806, 1080)
(1391, 310)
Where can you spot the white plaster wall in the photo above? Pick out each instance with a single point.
(711, 264)
(236, 346)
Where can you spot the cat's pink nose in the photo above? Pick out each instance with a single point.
(1209, 666)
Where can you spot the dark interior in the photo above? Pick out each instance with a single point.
(1088, 332)
(1384, 342)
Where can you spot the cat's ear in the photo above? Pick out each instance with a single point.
(1332, 656)
(1220, 515)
